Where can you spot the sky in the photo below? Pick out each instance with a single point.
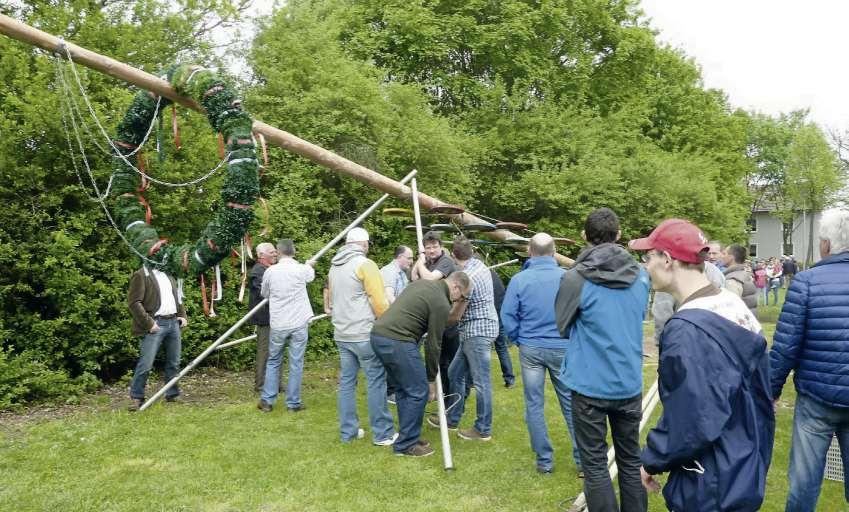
(770, 56)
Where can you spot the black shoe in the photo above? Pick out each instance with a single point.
(510, 385)
(136, 404)
(172, 399)
(417, 450)
(297, 408)
(542, 470)
(264, 406)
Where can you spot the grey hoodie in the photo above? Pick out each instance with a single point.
(351, 311)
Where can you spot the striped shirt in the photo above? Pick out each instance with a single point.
(285, 287)
(480, 318)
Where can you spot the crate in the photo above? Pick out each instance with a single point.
(833, 462)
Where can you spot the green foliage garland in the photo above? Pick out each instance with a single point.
(240, 189)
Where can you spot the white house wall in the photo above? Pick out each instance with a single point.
(768, 237)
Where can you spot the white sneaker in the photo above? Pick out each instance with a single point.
(361, 433)
(389, 441)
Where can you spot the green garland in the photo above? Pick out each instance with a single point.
(240, 189)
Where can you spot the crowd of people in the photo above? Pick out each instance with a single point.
(440, 313)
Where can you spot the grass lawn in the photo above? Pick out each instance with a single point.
(217, 452)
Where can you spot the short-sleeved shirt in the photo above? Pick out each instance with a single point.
(480, 319)
(394, 277)
(443, 264)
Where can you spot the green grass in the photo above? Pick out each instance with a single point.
(216, 452)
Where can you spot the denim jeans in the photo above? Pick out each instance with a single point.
(297, 339)
(535, 362)
(501, 344)
(473, 356)
(814, 424)
(590, 416)
(404, 365)
(169, 334)
(450, 344)
(354, 355)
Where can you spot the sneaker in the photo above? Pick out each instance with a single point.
(264, 406)
(471, 434)
(510, 385)
(297, 408)
(361, 433)
(433, 421)
(423, 442)
(417, 450)
(391, 399)
(172, 399)
(136, 404)
(389, 441)
(542, 470)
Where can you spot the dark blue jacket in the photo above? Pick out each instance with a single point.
(600, 308)
(812, 335)
(713, 380)
(528, 310)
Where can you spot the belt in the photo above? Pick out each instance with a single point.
(165, 317)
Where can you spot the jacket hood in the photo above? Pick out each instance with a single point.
(346, 253)
(748, 346)
(607, 265)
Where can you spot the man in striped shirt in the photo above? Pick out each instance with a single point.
(478, 329)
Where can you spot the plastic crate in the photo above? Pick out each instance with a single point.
(833, 462)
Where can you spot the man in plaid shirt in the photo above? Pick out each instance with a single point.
(478, 329)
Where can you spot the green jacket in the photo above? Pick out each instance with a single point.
(143, 300)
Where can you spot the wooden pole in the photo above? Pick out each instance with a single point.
(22, 32)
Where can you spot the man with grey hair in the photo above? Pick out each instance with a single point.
(285, 286)
(528, 318)
(394, 273)
(266, 255)
(812, 340)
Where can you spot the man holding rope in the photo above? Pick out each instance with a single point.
(423, 307)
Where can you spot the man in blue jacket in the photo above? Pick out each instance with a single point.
(715, 435)
(812, 339)
(527, 315)
(600, 308)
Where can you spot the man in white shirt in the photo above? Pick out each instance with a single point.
(158, 316)
(285, 286)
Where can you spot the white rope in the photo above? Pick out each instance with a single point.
(117, 152)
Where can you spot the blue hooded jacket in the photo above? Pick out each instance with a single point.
(600, 308)
(716, 432)
(812, 335)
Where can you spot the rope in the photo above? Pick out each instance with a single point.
(117, 153)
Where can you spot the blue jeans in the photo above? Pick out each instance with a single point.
(404, 365)
(501, 344)
(535, 361)
(473, 356)
(297, 338)
(814, 424)
(169, 334)
(353, 355)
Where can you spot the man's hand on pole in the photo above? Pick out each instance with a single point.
(431, 391)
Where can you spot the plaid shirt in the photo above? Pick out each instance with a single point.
(480, 318)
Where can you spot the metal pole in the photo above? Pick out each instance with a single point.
(358, 220)
(650, 401)
(447, 459)
(253, 336)
(202, 356)
(238, 324)
(504, 264)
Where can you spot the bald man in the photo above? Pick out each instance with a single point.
(527, 315)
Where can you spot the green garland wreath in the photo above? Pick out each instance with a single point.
(240, 189)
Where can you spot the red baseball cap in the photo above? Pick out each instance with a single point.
(680, 238)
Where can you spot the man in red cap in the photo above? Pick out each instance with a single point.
(716, 432)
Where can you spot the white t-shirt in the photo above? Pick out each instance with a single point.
(729, 306)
